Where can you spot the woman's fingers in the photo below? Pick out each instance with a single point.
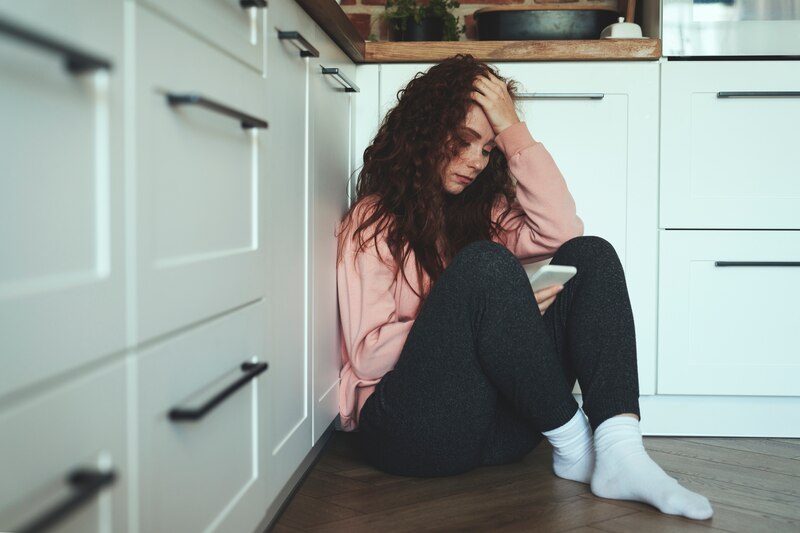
(493, 96)
(546, 296)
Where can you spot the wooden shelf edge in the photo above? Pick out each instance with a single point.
(595, 50)
(334, 21)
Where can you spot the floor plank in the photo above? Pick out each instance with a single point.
(730, 456)
(655, 523)
(788, 449)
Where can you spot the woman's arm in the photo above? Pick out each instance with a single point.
(544, 216)
(373, 332)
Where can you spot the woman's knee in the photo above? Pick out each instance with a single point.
(585, 248)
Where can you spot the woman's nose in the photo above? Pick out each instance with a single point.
(474, 159)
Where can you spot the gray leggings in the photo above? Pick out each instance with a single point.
(483, 373)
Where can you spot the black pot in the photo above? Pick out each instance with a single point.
(511, 24)
(429, 29)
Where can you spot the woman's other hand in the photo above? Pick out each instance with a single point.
(547, 296)
(491, 93)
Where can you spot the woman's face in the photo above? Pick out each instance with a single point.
(462, 170)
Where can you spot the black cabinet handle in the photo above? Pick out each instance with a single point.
(76, 61)
(253, 3)
(199, 100)
(759, 94)
(560, 96)
(757, 263)
(306, 50)
(85, 484)
(349, 86)
(251, 370)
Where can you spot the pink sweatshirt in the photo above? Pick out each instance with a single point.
(377, 305)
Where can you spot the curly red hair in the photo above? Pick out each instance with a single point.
(401, 174)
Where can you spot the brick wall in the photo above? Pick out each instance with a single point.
(366, 14)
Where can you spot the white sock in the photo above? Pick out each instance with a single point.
(573, 454)
(624, 471)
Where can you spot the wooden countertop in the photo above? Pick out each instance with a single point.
(334, 21)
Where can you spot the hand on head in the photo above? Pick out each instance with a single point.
(491, 93)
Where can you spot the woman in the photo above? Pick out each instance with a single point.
(450, 360)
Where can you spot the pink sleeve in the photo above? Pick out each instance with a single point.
(544, 216)
(373, 334)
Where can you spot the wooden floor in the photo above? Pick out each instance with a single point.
(753, 485)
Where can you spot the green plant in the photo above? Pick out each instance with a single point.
(398, 12)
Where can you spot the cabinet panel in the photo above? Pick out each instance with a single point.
(198, 191)
(730, 161)
(330, 146)
(80, 425)
(600, 123)
(60, 194)
(728, 329)
(203, 475)
(285, 228)
(226, 24)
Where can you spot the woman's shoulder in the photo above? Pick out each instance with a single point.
(358, 215)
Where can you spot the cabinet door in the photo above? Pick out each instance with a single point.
(61, 192)
(203, 474)
(729, 155)
(227, 24)
(77, 427)
(285, 233)
(600, 123)
(729, 329)
(330, 149)
(197, 175)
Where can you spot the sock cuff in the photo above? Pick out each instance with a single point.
(576, 424)
(618, 422)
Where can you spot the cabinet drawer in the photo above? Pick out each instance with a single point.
(60, 191)
(197, 475)
(728, 146)
(197, 173)
(78, 426)
(227, 24)
(728, 329)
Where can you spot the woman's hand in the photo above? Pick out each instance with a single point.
(491, 93)
(547, 296)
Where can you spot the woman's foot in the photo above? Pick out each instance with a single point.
(573, 450)
(624, 471)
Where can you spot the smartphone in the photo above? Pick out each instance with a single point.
(550, 275)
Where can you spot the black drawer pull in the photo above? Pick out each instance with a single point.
(76, 61)
(85, 485)
(349, 86)
(560, 96)
(253, 3)
(306, 50)
(178, 414)
(199, 100)
(759, 94)
(757, 263)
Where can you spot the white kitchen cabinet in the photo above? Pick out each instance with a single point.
(600, 123)
(202, 453)
(63, 444)
(234, 26)
(727, 322)
(729, 155)
(285, 211)
(61, 210)
(198, 195)
(330, 127)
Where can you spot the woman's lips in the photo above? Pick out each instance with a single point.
(464, 180)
